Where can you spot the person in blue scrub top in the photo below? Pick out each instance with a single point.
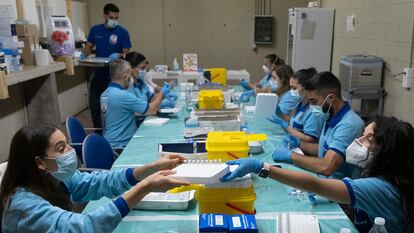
(287, 103)
(140, 87)
(42, 183)
(110, 40)
(385, 152)
(119, 106)
(266, 84)
(303, 124)
(342, 126)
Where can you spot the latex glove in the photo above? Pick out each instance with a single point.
(291, 141)
(246, 166)
(166, 103)
(245, 84)
(82, 56)
(245, 96)
(277, 120)
(282, 154)
(171, 96)
(165, 89)
(113, 57)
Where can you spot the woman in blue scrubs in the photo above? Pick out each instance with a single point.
(385, 152)
(41, 184)
(303, 123)
(266, 84)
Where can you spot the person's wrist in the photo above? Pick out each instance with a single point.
(259, 166)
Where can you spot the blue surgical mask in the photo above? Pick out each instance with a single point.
(294, 93)
(317, 110)
(66, 164)
(272, 85)
(112, 23)
(140, 75)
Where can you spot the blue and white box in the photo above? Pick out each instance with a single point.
(216, 223)
(242, 223)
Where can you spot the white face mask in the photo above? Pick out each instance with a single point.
(112, 23)
(265, 69)
(358, 154)
(294, 93)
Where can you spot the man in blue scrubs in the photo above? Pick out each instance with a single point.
(119, 105)
(341, 127)
(110, 40)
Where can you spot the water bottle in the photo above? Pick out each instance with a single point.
(187, 94)
(379, 226)
(345, 230)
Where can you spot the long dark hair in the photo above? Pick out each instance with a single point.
(22, 170)
(274, 59)
(284, 72)
(394, 161)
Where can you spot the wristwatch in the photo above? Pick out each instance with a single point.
(265, 170)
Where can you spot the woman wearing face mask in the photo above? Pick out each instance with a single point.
(385, 151)
(303, 124)
(287, 103)
(139, 87)
(265, 85)
(41, 183)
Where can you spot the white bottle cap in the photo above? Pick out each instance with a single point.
(345, 230)
(379, 221)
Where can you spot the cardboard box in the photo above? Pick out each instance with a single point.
(242, 223)
(213, 223)
(30, 44)
(26, 30)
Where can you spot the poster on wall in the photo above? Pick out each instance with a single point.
(189, 62)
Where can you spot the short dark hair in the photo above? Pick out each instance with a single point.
(135, 58)
(323, 83)
(110, 7)
(275, 59)
(303, 75)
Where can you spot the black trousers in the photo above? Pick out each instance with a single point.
(97, 86)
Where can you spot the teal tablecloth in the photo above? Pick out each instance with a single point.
(272, 197)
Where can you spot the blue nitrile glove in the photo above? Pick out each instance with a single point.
(245, 96)
(82, 56)
(165, 89)
(244, 84)
(166, 103)
(113, 57)
(246, 166)
(277, 120)
(291, 141)
(171, 96)
(282, 154)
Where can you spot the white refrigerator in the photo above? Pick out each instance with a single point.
(310, 34)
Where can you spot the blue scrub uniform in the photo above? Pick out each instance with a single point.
(376, 198)
(28, 212)
(287, 103)
(304, 121)
(338, 133)
(142, 91)
(118, 109)
(266, 78)
(106, 41)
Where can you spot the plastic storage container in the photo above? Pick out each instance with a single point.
(218, 75)
(210, 99)
(230, 145)
(234, 197)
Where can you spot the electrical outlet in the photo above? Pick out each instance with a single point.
(407, 80)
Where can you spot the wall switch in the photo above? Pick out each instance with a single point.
(407, 77)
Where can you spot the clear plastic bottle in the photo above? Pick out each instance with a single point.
(345, 230)
(379, 226)
(187, 94)
(176, 66)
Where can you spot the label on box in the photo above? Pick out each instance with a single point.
(242, 223)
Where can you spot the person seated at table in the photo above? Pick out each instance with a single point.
(385, 152)
(303, 123)
(341, 127)
(287, 102)
(139, 87)
(266, 84)
(119, 106)
(42, 183)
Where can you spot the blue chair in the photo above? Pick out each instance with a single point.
(97, 153)
(77, 134)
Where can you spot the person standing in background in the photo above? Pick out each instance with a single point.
(110, 40)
